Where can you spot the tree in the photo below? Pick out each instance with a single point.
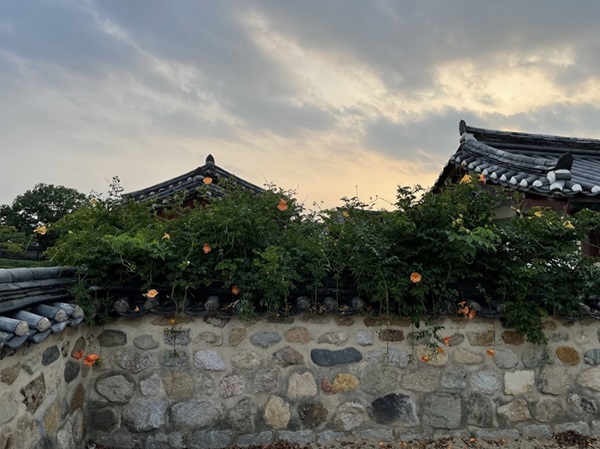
(12, 240)
(44, 204)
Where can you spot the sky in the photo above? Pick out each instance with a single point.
(329, 98)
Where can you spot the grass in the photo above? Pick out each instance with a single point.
(20, 263)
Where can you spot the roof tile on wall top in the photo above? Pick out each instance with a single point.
(34, 304)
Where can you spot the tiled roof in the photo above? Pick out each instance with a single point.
(34, 302)
(553, 166)
(189, 183)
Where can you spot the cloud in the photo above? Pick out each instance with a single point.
(327, 96)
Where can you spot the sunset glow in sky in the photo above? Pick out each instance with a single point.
(331, 98)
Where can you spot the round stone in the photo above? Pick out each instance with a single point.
(568, 355)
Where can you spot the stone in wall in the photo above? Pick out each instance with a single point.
(9, 407)
(535, 356)
(343, 382)
(454, 378)
(433, 357)
(216, 321)
(377, 379)
(236, 336)
(77, 399)
(393, 408)
(301, 385)
(10, 374)
(312, 415)
(554, 379)
(389, 357)
(208, 360)
(364, 337)
(177, 337)
(71, 371)
(117, 388)
(341, 320)
(515, 411)
(592, 357)
(79, 429)
(111, 337)
(513, 338)
(242, 415)
(391, 335)
(568, 355)
(121, 439)
(326, 357)
(505, 358)
(105, 419)
(145, 342)
(260, 439)
(349, 415)
(288, 356)
(487, 382)
(64, 437)
(265, 339)
(485, 338)
(333, 338)
(50, 355)
(315, 319)
(581, 428)
(211, 439)
(27, 433)
(423, 379)
(161, 440)
(174, 358)
(481, 411)
(205, 383)
(590, 379)
(211, 339)
(151, 385)
(301, 437)
(232, 385)
(32, 365)
(518, 382)
(145, 414)
(246, 360)
(418, 338)
(133, 361)
(178, 385)
(277, 413)
(51, 418)
(547, 410)
(297, 335)
(466, 357)
(442, 411)
(266, 380)
(196, 413)
(580, 405)
(34, 393)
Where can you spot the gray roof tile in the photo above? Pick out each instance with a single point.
(528, 159)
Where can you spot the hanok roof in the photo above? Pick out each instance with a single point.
(552, 166)
(189, 183)
(35, 302)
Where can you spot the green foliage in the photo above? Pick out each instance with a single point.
(412, 260)
(11, 240)
(42, 205)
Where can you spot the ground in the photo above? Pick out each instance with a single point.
(564, 440)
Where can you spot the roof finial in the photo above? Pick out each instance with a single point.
(210, 160)
(462, 127)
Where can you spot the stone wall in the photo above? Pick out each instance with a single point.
(210, 383)
(42, 392)
(207, 382)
